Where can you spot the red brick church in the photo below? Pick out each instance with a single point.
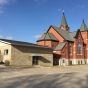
(68, 47)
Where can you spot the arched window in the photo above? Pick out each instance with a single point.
(70, 50)
(79, 48)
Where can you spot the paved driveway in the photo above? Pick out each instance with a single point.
(55, 77)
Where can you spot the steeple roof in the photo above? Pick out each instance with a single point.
(63, 22)
(48, 36)
(83, 26)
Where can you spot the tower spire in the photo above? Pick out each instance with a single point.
(83, 26)
(64, 24)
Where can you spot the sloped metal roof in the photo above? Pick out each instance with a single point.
(63, 33)
(48, 36)
(72, 35)
(60, 46)
(64, 22)
(83, 27)
(14, 42)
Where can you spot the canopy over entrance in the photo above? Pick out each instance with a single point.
(36, 55)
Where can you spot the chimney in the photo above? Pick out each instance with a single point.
(43, 33)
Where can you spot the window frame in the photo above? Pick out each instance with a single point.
(6, 52)
(70, 50)
(63, 53)
(79, 49)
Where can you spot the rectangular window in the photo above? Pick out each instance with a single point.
(63, 53)
(70, 50)
(6, 52)
(79, 49)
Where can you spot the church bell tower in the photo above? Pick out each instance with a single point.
(64, 25)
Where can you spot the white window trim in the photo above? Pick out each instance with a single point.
(5, 52)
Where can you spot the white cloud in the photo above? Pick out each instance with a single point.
(44, 0)
(72, 9)
(40, 0)
(3, 3)
(1, 36)
(80, 6)
(9, 37)
(73, 4)
(1, 11)
(37, 36)
(59, 9)
(36, 0)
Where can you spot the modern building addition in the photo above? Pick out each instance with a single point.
(20, 53)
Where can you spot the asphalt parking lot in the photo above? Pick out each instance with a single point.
(52, 77)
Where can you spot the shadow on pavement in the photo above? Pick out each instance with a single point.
(66, 80)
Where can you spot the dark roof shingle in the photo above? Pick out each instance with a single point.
(63, 22)
(48, 36)
(14, 42)
(60, 46)
(63, 33)
(83, 27)
(72, 35)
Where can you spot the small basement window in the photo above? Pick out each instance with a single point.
(6, 52)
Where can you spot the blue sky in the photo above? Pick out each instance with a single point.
(26, 20)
